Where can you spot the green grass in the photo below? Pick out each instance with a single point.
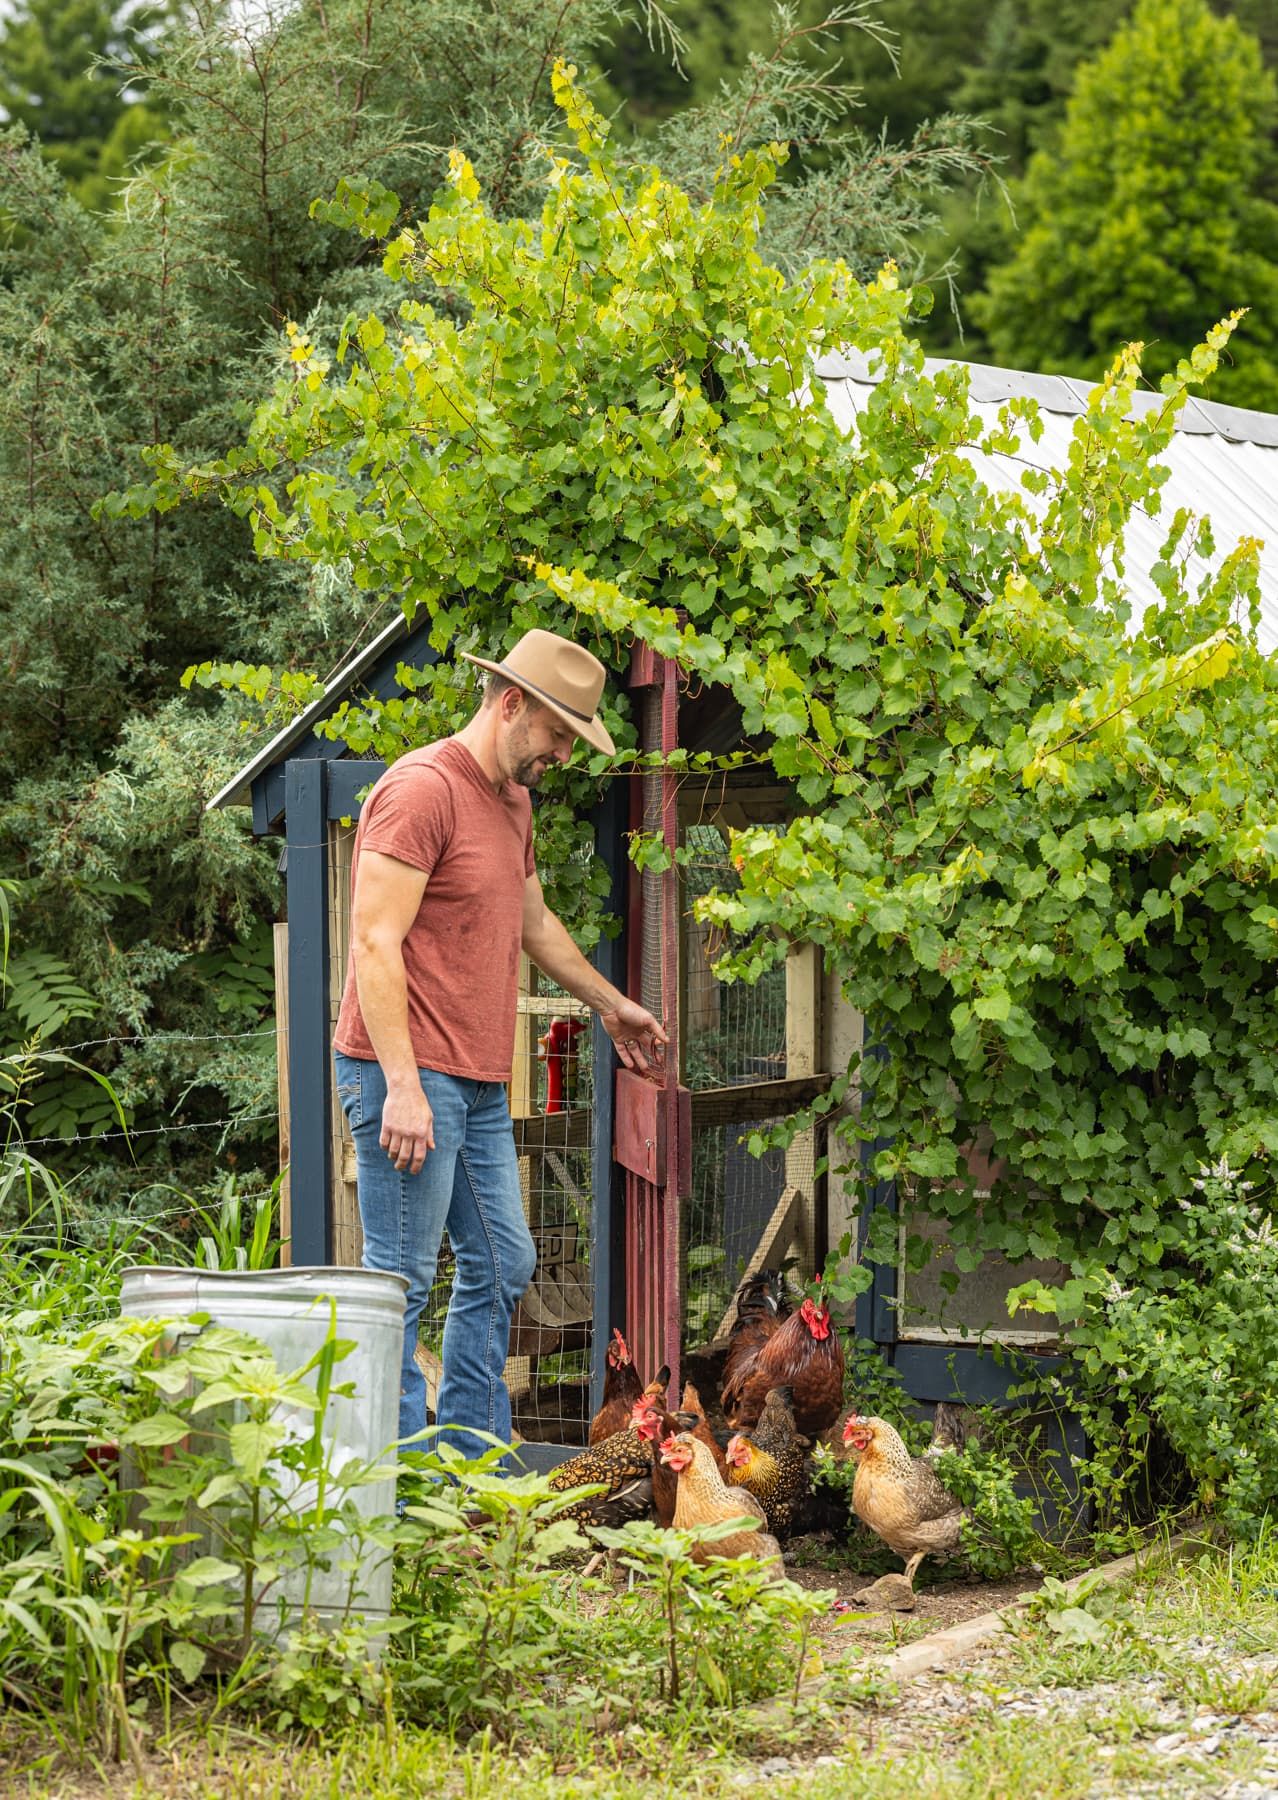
(1060, 1759)
(1163, 1705)
(1187, 1652)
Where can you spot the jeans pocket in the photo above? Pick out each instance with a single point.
(350, 1094)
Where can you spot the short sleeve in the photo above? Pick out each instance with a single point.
(409, 815)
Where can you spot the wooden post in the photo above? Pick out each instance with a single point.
(280, 935)
(701, 990)
(802, 1053)
(348, 1236)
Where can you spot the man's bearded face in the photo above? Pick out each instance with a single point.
(537, 738)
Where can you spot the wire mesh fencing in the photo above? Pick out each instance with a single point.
(748, 1206)
(548, 1366)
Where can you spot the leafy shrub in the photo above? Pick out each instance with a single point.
(730, 1629)
(162, 1518)
(492, 1631)
(1193, 1355)
(485, 1626)
(1089, 1611)
(154, 1501)
(1002, 1534)
(325, 1678)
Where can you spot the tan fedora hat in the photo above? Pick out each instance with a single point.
(566, 678)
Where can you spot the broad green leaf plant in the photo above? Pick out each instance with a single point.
(1036, 837)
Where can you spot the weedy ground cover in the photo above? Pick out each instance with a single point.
(139, 1658)
(1173, 1691)
(167, 1501)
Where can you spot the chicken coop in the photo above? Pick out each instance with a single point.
(645, 1201)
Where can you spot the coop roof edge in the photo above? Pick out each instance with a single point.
(1062, 394)
(238, 790)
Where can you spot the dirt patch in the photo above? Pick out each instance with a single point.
(940, 1601)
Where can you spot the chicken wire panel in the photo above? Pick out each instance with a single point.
(652, 983)
(733, 1034)
(548, 1371)
(548, 1366)
(744, 1212)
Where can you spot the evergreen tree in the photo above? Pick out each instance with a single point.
(65, 73)
(854, 189)
(1150, 223)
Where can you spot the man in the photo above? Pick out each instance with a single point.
(446, 896)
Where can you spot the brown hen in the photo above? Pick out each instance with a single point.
(805, 1355)
(654, 1424)
(899, 1496)
(622, 1387)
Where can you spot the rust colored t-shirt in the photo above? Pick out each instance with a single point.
(436, 810)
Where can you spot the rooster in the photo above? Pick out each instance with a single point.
(622, 1387)
(772, 1464)
(803, 1354)
(900, 1496)
(704, 1498)
(762, 1308)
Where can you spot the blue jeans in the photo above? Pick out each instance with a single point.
(469, 1183)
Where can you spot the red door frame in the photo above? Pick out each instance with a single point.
(653, 1118)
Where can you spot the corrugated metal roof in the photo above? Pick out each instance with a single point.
(1223, 463)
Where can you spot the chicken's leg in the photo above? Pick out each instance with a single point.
(912, 1566)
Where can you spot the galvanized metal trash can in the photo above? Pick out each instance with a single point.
(289, 1311)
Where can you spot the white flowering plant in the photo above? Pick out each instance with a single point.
(1190, 1358)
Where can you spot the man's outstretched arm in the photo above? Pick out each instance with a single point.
(638, 1037)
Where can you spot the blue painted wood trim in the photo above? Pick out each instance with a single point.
(964, 1372)
(607, 1216)
(540, 1459)
(309, 1051)
(262, 824)
(270, 795)
(346, 782)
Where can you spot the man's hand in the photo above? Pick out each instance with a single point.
(408, 1128)
(639, 1040)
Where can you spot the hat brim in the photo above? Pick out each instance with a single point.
(593, 730)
